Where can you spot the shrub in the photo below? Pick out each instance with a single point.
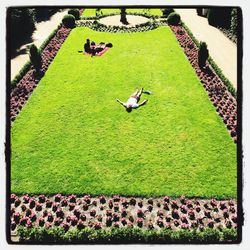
(174, 18)
(75, 13)
(69, 21)
(166, 12)
(202, 54)
(35, 57)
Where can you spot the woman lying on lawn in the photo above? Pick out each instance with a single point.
(92, 48)
(132, 102)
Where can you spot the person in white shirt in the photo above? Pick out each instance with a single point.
(133, 101)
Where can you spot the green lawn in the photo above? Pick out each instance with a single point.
(73, 137)
(92, 12)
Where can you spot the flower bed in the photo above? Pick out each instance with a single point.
(79, 212)
(222, 99)
(23, 89)
(150, 25)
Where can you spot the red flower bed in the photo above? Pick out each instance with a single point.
(69, 212)
(223, 101)
(20, 94)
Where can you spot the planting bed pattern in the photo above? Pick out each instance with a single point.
(21, 92)
(222, 99)
(104, 212)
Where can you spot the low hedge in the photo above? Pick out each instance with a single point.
(125, 235)
(215, 67)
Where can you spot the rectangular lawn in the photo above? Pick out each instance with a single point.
(73, 137)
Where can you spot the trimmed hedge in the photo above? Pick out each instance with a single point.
(166, 12)
(125, 235)
(174, 18)
(69, 21)
(202, 54)
(75, 13)
(215, 67)
(35, 57)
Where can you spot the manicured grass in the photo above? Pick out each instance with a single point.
(73, 137)
(92, 12)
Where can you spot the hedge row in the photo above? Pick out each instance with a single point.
(125, 235)
(215, 67)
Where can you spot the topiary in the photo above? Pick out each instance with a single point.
(202, 54)
(166, 12)
(35, 57)
(69, 21)
(174, 18)
(75, 13)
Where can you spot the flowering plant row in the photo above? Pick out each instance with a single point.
(222, 99)
(80, 212)
(24, 88)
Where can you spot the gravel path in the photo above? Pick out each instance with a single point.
(222, 50)
(43, 29)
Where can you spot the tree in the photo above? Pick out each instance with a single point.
(202, 54)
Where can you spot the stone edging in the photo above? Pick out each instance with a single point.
(222, 99)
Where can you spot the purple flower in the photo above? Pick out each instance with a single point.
(65, 226)
(26, 198)
(140, 222)
(12, 198)
(41, 221)
(166, 199)
(93, 212)
(140, 213)
(72, 198)
(184, 226)
(132, 201)
(102, 199)
(160, 222)
(41, 198)
(80, 225)
(17, 217)
(58, 197)
(123, 221)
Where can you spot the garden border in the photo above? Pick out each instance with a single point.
(218, 92)
(22, 89)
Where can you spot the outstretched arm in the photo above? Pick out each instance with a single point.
(143, 103)
(122, 103)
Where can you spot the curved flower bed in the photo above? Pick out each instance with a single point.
(80, 212)
(222, 99)
(23, 89)
(150, 25)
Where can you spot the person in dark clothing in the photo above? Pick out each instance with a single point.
(87, 48)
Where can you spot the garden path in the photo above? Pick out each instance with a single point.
(221, 49)
(42, 31)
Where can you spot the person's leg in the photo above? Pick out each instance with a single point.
(136, 92)
(140, 93)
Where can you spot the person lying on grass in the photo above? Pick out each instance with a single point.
(133, 101)
(92, 48)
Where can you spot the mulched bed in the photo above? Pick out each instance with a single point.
(24, 88)
(222, 99)
(71, 211)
